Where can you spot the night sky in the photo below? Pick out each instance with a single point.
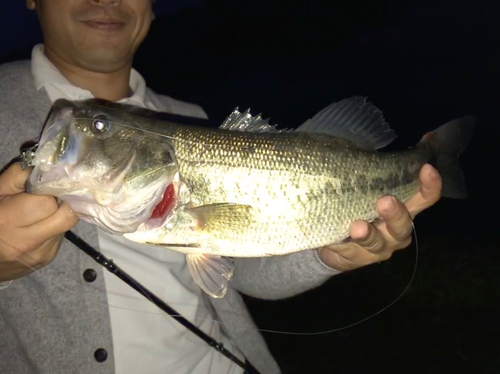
(422, 63)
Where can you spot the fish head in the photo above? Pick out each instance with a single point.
(105, 163)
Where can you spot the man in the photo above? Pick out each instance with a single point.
(70, 316)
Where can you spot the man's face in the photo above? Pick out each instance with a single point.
(96, 35)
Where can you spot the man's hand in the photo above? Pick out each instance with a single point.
(31, 226)
(372, 244)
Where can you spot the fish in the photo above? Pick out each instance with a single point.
(244, 189)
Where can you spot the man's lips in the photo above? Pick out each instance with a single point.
(106, 25)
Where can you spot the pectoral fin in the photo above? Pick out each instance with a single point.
(222, 217)
(211, 273)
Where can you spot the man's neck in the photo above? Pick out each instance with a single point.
(109, 86)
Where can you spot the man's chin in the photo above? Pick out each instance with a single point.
(104, 60)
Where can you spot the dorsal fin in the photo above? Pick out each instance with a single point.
(245, 122)
(353, 119)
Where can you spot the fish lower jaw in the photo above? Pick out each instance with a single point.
(115, 216)
(122, 212)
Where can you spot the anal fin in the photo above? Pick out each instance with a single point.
(211, 273)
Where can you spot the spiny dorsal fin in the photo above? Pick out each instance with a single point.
(353, 119)
(245, 122)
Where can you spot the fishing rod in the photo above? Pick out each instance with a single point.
(114, 269)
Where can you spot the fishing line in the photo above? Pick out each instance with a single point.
(364, 319)
(139, 129)
(251, 327)
(150, 132)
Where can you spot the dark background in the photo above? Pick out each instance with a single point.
(423, 63)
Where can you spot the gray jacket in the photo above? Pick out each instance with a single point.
(53, 321)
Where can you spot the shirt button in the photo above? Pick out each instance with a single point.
(89, 275)
(100, 355)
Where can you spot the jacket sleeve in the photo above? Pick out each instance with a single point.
(23, 109)
(280, 276)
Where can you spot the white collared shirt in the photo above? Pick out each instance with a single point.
(145, 339)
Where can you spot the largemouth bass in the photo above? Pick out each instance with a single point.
(245, 189)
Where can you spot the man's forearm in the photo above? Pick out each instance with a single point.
(280, 276)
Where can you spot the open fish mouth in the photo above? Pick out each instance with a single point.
(53, 142)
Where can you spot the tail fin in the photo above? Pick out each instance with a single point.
(447, 143)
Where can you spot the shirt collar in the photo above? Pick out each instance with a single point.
(45, 73)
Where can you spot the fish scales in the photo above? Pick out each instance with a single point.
(305, 192)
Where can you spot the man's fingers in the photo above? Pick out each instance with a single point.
(431, 184)
(61, 221)
(429, 193)
(367, 236)
(396, 217)
(43, 255)
(346, 256)
(24, 209)
(13, 180)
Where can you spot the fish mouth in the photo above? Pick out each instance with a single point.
(59, 117)
(46, 169)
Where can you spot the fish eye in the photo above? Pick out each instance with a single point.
(100, 123)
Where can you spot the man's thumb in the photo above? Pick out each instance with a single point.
(13, 180)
